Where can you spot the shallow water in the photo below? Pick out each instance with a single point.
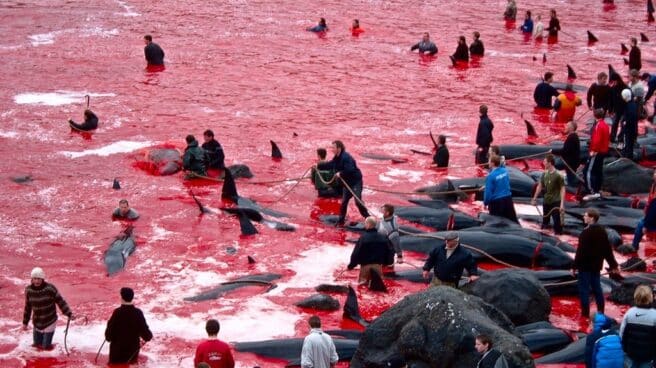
(249, 71)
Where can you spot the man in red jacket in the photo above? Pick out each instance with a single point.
(599, 142)
(213, 351)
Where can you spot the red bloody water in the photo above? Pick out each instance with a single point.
(249, 71)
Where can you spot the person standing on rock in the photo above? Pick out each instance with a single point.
(448, 261)
(491, 358)
(370, 252)
(318, 348)
(40, 300)
(591, 252)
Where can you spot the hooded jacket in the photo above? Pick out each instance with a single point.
(603, 348)
(568, 101)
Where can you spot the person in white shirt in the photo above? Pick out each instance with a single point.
(318, 347)
(538, 29)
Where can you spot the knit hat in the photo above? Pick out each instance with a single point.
(37, 273)
(127, 294)
(626, 95)
(396, 362)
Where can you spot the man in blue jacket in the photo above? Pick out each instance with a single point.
(449, 261)
(497, 196)
(346, 172)
(603, 347)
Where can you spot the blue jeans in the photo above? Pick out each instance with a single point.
(590, 281)
(637, 236)
(628, 362)
(41, 339)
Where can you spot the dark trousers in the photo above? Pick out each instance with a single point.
(552, 211)
(594, 172)
(41, 339)
(481, 155)
(590, 281)
(346, 197)
(572, 180)
(613, 129)
(630, 136)
(503, 207)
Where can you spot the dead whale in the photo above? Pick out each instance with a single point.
(264, 280)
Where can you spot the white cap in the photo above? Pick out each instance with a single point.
(37, 273)
(626, 95)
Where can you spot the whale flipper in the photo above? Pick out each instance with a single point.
(229, 190)
(351, 308)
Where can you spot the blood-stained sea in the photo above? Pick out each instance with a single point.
(249, 71)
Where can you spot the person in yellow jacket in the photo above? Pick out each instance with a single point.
(566, 104)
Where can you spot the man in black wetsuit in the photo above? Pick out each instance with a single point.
(154, 53)
(193, 159)
(347, 170)
(599, 93)
(90, 121)
(425, 46)
(213, 151)
(476, 48)
(483, 136)
(441, 157)
(570, 153)
(544, 91)
(554, 24)
(462, 52)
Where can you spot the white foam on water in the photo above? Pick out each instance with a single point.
(99, 31)
(324, 259)
(114, 148)
(8, 134)
(128, 9)
(397, 175)
(56, 98)
(44, 38)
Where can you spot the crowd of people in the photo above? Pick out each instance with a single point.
(340, 177)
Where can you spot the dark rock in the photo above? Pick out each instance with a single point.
(517, 293)
(437, 328)
(327, 288)
(319, 302)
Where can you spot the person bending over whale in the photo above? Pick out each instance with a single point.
(193, 159)
(154, 53)
(370, 252)
(544, 91)
(90, 121)
(462, 52)
(123, 211)
(332, 190)
(346, 170)
(320, 27)
(214, 155)
(425, 46)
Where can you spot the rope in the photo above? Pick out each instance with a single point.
(68, 324)
(488, 255)
(191, 174)
(293, 187)
(97, 355)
